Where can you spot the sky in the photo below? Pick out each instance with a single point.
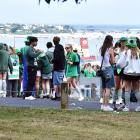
(93, 12)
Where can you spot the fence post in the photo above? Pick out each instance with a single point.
(64, 95)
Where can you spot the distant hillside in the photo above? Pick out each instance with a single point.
(34, 28)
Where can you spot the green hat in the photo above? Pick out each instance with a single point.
(133, 46)
(123, 39)
(1, 46)
(28, 38)
(133, 42)
(128, 44)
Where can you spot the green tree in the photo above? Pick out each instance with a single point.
(49, 1)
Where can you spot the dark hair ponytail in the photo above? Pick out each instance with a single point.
(106, 44)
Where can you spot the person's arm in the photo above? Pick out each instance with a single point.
(10, 65)
(75, 60)
(112, 58)
(33, 54)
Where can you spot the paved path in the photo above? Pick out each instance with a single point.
(47, 103)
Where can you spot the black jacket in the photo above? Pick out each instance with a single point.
(58, 58)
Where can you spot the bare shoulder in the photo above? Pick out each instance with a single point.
(111, 50)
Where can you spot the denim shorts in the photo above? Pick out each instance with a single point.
(111, 82)
(47, 76)
(58, 77)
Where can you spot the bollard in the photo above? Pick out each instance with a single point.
(93, 89)
(64, 95)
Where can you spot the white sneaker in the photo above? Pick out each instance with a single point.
(102, 106)
(101, 100)
(137, 109)
(119, 101)
(107, 108)
(53, 94)
(30, 98)
(81, 98)
(126, 109)
(111, 101)
(4, 94)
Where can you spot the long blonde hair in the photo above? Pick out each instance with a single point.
(135, 53)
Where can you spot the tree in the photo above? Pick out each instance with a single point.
(49, 1)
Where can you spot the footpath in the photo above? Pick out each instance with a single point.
(47, 103)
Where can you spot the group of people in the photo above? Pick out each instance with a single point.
(40, 73)
(120, 70)
(89, 70)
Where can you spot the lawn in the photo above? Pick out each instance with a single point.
(50, 124)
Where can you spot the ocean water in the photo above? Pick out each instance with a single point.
(106, 28)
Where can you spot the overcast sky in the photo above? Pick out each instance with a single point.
(93, 12)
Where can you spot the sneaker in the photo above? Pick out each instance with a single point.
(126, 109)
(102, 106)
(101, 100)
(107, 108)
(56, 98)
(111, 101)
(4, 94)
(48, 95)
(81, 98)
(137, 109)
(30, 98)
(119, 101)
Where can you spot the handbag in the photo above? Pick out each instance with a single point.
(100, 72)
(105, 74)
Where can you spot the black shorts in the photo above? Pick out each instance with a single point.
(120, 74)
(131, 77)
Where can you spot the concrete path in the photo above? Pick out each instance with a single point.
(47, 103)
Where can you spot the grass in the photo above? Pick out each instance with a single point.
(50, 124)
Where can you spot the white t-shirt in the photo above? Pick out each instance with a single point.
(132, 65)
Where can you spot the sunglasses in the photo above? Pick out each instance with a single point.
(67, 48)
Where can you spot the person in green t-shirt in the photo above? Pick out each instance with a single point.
(72, 61)
(89, 72)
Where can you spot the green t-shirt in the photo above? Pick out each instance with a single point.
(89, 74)
(71, 70)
